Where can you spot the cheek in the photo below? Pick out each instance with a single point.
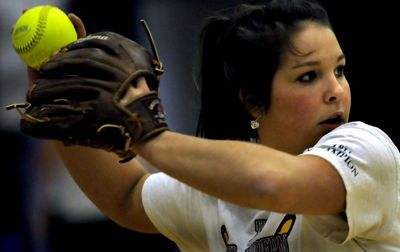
(295, 109)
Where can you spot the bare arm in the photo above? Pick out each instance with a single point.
(113, 187)
(249, 174)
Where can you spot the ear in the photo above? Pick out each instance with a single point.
(253, 109)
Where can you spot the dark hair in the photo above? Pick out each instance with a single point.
(240, 50)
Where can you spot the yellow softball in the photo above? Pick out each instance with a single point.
(41, 31)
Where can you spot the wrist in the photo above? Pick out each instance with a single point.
(143, 148)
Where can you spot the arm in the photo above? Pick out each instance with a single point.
(249, 174)
(113, 187)
(246, 174)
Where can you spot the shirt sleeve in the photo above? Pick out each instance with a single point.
(177, 210)
(368, 162)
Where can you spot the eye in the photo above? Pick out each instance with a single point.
(339, 71)
(307, 77)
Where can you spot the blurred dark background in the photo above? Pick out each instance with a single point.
(366, 31)
(32, 196)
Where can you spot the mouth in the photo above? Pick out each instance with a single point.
(335, 120)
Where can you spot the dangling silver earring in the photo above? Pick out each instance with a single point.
(254, 124)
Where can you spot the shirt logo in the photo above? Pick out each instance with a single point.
(343, 153)
(274, 243)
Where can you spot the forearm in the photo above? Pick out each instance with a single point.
(225, 169)
(249, 174)
(108, 183)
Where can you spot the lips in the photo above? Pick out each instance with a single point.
(335, 119)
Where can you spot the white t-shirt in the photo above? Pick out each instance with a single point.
(366, 159)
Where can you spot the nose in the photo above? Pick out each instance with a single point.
(335, 89)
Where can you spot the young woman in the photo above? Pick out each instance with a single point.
(306, 179)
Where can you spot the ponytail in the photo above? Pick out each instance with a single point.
(221, 110)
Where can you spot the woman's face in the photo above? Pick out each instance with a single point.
(310, 94)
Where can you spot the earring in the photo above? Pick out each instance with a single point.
(254, 124)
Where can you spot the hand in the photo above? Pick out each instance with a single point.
(134, 91)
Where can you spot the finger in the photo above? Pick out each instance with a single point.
(78, 24)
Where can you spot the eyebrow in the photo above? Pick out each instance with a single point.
(313, 63)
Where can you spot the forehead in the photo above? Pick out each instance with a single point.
(312, 42)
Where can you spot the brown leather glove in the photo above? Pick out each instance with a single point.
(77, 98)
